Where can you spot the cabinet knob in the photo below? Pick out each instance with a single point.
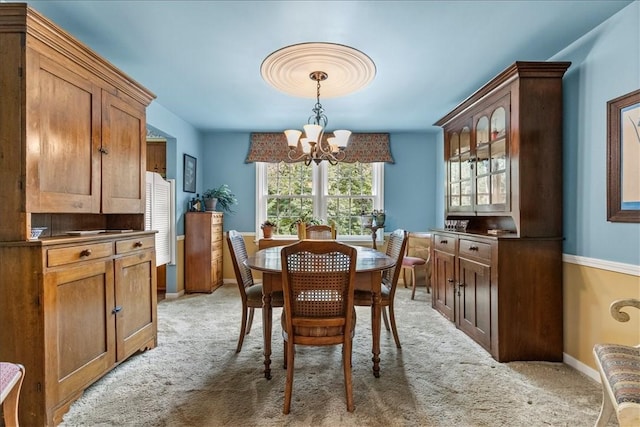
(450, 280)
(103, 150)
(116, 309)
(138, 244)
(85, 252)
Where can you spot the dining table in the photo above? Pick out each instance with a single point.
(370, 264)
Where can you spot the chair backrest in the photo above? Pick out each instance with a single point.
(318, 280)
(418, 244)
(396, 246)
(238, 252)
(320, 232)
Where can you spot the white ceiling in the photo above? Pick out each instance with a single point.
(202, 58)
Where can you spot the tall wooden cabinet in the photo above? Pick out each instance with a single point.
(499, 278)
(82, 298)
(203, 251)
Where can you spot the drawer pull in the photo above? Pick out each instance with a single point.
(117, 309)
(138, 244)
(460, 286)
(473, 248)
(444, 242)
(85, 252)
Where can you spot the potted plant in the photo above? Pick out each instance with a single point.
(221, 197)
(267, 228)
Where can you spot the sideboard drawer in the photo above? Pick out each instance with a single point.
(130, 245)
(475, 249)
(69, 255)
(445, 243)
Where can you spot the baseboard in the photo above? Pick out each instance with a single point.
(173, 295)
(581, 367)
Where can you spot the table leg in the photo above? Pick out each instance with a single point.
(375, 331)
(267, 315)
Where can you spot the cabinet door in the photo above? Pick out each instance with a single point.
(473, 314)
(491, 177)
(79, 327)
(135, 303)
(459, 183)
(124, 150)
(63, 139)
(443, 275)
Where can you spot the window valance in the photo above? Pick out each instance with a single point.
(362, 147)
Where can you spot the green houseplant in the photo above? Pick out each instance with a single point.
(220, 198)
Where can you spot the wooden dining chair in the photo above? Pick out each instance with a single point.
(395, 249)
(318, 279)
(417, 256)
(318, 232)
(11, 377)
(250, 292)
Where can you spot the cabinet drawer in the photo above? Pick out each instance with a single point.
(216, 219)
(216, 232)
(445, 243)
(130, 245)
(474, 249)
(62, 256)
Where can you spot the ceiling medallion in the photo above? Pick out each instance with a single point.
(288, 69)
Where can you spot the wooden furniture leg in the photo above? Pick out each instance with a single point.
(267, 314)
(375, 324)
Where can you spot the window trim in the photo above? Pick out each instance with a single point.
(320, 177)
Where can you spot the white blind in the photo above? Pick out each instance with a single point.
(159, 216)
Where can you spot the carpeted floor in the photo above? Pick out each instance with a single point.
(440, 377)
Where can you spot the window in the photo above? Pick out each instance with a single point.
(287, 192)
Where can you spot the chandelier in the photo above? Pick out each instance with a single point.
(314, 146)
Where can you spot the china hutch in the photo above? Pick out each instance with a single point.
(497, 264)
(81, 298)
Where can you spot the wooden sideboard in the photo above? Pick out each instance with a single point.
(72, 308)
(499, 277)
(72, 159)
(203, 251)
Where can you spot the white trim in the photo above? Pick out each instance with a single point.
(173, 295)
(618, 267)
(581, 367)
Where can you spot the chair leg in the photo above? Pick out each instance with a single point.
(404, 276)
(606, 410)
(393, 325)
(384, 317)
(348, 381)
(413, 282)
(243, 328)
(250, 322)
(289, 382)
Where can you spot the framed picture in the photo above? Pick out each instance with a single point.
(189, 181)
(623, 157)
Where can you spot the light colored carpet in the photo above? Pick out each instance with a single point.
(440, 377)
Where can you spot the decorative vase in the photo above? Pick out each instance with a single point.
(210, 204)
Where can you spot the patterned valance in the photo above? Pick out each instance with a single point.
(362, 147)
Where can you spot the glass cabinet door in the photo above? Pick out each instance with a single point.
(491, 159)
(459, 174)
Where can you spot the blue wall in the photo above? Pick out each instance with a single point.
(605, 65)
(410, 183)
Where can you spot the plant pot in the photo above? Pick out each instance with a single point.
(210, 204)
(267, 232)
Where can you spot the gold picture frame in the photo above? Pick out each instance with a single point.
(623, 158)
